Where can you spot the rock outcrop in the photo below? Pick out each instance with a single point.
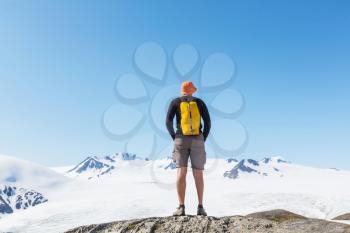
(275, 221)
(343, 217)
(277, 215)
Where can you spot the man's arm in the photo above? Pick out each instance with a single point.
(206, 119)
(170, 117)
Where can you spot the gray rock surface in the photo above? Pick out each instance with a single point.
(275, 221)
(343, 217)
(277, 215)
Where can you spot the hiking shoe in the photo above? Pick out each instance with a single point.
(180, 211)
(201, 211)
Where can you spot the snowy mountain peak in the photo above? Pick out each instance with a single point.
(90, 163)
(265, 167)
(244, 166)
(94, 166)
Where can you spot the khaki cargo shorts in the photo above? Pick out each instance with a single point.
(186, 147)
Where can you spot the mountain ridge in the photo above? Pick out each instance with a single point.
(97, 167)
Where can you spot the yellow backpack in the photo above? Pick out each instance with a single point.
(190, 118)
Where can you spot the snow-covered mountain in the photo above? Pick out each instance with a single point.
(22, 184)
(98, 167)
(20, 173)
(94, 167)
(272, 166)
(123, 186)
(13, 198)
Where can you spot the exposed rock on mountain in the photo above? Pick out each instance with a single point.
(230, 160)
(5, 208)
(13, 198)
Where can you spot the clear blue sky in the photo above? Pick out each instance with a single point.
(59, 61)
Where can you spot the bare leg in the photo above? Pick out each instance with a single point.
(198, 178)
(181, 184)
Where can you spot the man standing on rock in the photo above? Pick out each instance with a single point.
(188, 142)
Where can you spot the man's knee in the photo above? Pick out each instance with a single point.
(197, 173)
(181, 173)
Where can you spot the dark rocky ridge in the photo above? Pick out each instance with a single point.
(14, 198)
(275, 221)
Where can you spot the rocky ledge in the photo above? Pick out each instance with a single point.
(274, 221)
(343, 217)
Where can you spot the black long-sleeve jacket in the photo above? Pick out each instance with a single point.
(174, 110)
